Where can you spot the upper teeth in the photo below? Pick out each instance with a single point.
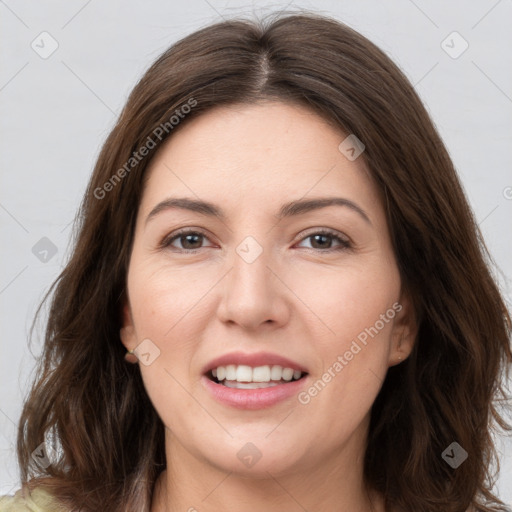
(244, 373)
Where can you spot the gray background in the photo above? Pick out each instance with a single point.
(56, 112)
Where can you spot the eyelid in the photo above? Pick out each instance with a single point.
(344, 241)
(322, 230)
(168, 239)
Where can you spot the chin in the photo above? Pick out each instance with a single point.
(256, 456)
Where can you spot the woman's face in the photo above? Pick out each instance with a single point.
(262, 284)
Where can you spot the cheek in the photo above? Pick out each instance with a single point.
(344, 302)
(166, 309)
(164, 299)
(357, 309)
(164, 312)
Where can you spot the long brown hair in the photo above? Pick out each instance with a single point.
(93, 406)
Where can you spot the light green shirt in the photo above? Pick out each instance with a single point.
(38, 501)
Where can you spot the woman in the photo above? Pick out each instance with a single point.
(275, 236)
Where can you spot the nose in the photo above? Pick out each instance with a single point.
(253, 293)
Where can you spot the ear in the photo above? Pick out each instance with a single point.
(405, 330)
(127, 332)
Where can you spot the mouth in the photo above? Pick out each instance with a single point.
(258, 377)
(253, 381)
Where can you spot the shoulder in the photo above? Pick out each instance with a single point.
(38, 500)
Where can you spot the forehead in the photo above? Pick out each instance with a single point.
(256, 154)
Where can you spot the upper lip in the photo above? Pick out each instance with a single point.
(253, 360)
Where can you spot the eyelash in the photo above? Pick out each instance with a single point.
(344, 243)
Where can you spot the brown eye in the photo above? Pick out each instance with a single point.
(325, 240)
(191, 241)
(321, 241)
(185, 241)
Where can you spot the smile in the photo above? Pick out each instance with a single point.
(253, 381)
(259, 377)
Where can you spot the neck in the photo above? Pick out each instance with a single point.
(192, 485)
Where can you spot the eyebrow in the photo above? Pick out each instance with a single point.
(290, 209)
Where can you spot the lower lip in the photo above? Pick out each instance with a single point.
(252, 398)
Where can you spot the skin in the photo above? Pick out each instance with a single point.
(297, 299)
